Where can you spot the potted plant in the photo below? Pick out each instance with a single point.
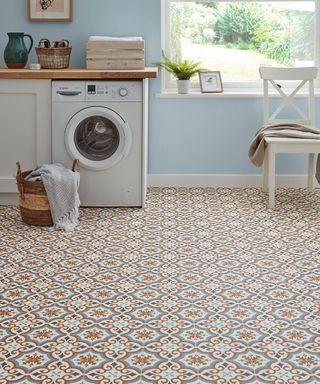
(182, 70)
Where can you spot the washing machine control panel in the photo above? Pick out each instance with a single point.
(113, 90)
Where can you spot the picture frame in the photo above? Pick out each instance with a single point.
(210, 82)
(50, 10)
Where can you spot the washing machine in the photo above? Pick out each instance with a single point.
(101, 124)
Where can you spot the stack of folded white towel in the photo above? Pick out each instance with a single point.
(112, 38)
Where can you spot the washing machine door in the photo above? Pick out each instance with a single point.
(98, 137)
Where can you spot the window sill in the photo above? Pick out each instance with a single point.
(230, 93)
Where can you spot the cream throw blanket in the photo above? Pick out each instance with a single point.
(258, 144)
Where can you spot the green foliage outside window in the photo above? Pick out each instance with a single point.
(280, 34)
(237, 22)
(176, 33)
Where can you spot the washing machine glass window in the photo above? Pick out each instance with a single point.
(97, 138)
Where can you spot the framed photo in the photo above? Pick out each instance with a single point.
(210, 81)
(50, 10)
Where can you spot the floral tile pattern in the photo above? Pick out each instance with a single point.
(202, 286)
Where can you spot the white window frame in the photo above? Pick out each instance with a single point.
(234, 87)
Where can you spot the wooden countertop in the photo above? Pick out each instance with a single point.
(78, 73)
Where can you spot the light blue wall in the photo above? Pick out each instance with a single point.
(186, 136)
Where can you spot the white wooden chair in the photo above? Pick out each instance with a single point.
(288, 145)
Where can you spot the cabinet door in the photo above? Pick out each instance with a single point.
(25, 128)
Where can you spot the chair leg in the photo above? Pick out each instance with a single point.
(265, 171)
(271, 178)
(310, 171)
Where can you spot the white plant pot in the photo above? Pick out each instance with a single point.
(183, 86)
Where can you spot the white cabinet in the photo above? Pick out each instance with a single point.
(25, 130)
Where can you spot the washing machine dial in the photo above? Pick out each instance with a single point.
(123, 92)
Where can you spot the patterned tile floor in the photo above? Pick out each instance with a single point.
(203, 286)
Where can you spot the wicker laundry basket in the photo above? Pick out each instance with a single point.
(54, 58)
(33, 200)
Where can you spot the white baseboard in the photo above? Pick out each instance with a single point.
(9, 199)
(211, 180)
(201, 180)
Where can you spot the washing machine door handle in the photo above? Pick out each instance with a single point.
(127, 138)
(69, 93)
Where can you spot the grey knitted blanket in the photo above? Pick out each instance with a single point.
(258, 144)
(61, 185)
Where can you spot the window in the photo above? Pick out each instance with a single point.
(236, 37)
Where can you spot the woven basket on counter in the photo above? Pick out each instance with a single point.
(54, 58)
(33, 200)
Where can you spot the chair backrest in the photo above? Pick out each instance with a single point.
(272, 75)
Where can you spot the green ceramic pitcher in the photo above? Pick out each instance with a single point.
(16, 52)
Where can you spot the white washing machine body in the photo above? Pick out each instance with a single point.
(101, 124)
